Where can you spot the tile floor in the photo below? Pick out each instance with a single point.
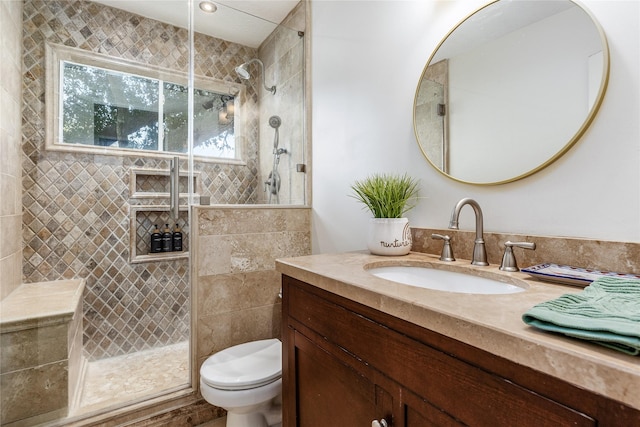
(116, 380)
(220, 422)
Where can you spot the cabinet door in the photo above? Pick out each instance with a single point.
(346, 365)
(330, 392)
(420, 413)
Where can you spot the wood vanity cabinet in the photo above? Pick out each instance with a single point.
(347, 365)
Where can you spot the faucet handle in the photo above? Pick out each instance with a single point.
(509, 259)
(447, 250)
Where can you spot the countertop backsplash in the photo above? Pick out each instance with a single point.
(620, 257)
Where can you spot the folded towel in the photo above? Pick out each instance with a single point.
(606, 312)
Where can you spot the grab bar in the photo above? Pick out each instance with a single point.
(174, 187)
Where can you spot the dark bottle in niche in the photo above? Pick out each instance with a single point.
(156, 240)
(166, 239)
(177, 238)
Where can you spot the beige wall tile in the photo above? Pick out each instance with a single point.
(219, 331)
(236, 285)
(298, 219)
(10, 147)
(219, 220)
(9, 185)
(621, 257)
(32, 347)
(258, 252)
(233, 292)
(214, 255)
(11, 226)
(32, 392)
(11, 277)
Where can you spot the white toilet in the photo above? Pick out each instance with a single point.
(246, 380)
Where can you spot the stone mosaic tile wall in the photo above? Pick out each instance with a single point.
(76, 206)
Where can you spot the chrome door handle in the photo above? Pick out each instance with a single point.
(381, 423)
(174, 187)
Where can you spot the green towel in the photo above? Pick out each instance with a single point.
(606, 312)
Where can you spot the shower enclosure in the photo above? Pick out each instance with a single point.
(105, 110)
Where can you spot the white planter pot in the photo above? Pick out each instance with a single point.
(389, 236)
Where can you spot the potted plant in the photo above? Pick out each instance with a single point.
(388, 197)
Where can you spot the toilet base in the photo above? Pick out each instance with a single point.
(270, 415)
(246, 420)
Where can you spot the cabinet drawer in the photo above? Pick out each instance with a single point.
(468, 393)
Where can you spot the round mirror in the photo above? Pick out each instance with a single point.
(510, 89)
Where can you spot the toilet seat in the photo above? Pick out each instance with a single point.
(244, 366)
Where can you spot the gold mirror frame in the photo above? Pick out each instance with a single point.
(578, 134)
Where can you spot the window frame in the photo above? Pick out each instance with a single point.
(57, 54)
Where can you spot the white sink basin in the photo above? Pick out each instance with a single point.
(444, 280)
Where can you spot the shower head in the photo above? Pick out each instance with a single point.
(242, 71)
(275, 122)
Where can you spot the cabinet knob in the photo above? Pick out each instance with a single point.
(381, 423)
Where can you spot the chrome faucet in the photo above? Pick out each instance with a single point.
(479, 251)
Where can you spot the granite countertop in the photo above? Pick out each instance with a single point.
(489, 322)
(39, 304)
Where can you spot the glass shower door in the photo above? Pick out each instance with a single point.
(263, 111)
(96, 183)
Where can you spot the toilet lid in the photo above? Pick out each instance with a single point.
(244, 366)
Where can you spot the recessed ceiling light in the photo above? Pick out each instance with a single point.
(207, 6)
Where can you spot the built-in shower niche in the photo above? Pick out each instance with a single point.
(149, 190)
(155, 184)
(143, 221)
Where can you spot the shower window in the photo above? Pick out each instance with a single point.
(109, 109)
(117, 107)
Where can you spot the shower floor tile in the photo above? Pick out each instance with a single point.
(123, 379)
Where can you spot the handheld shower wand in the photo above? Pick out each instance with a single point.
(243, 72)
(273, 180)
(275, 122)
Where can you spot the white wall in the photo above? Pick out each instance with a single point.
(367, 57)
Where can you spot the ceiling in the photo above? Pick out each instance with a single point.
(247, 22)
